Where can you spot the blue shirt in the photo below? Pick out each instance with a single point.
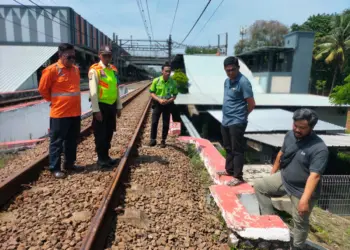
(235, 108)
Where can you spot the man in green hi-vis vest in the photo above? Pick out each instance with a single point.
(106, 104)
(163, 91)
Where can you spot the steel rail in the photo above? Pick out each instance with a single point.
(98, 231)
(14, 183)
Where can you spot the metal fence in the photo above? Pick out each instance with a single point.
(335, 194)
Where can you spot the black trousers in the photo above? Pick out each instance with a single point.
(64, 134)
(103, 131)
(165, 111)
(234, 144)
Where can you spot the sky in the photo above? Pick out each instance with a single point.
(123, 16)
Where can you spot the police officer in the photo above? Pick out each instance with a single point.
(106, 104)
(163, 91)
(60, 85)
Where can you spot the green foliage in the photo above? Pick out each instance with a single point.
(341, 94)
(181, 80)
(320, 24)
(343, 156)
(262, 33)
(320, 85)
(192, 50)
(334, 46)
(222, 152)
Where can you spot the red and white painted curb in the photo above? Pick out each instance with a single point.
(174, 127)
(19, 144)
(236, 216)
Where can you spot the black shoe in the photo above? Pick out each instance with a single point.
(59, 174)
(163, 144)
(72, 167)
(152, 143)
(112, 161)
(104, 164)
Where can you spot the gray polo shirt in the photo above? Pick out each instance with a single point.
(235, 108)
(312, 156)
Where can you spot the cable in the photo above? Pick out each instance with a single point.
(149, 17)
(19, 24)
(196, 22)
(69, 25)
(207, 21)
(139, 4)
(177, 5)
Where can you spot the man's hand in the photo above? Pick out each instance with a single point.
(303, 207)
(98, 116)
(162, 101)
(119, 112)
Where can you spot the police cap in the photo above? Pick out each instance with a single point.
(105, 49)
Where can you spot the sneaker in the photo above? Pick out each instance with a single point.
(163, 144)
(113, 161)
(72, 167)
(59, 174)
(104, 164)
(152, 143)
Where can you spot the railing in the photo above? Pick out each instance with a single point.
(335, 194)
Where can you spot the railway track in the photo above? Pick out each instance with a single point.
(24, 167)
(157, 202)
(152, 200)
(54, 213)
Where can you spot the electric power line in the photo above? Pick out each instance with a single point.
(139, 4)
(206, 6)
(172, 25)
(68, 25)
(208, 21)
(149, 17)
(24, 26)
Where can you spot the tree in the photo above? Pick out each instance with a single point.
(320, 24)
(181, 81)
(341, 94)
(192, 50)
(263, 33)
(320, 84)
(335, 45)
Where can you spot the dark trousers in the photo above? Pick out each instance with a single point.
(64, 134)
(103, 131)
(165, 111)
(234, 144)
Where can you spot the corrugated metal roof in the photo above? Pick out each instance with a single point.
(206, 74)
(261, 99)
(276, 140)
(17, 63)
(271, 120)
(206, 78)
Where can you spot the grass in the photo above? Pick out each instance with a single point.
(326, 229)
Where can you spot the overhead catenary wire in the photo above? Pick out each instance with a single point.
(172, 25)
(67, 25)
(194, 25)
(24, 26)
(207, 21)
(150, 22)
(139, 4)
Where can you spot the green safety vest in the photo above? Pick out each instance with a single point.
(108, 83)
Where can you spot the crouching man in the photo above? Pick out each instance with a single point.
(297, 173)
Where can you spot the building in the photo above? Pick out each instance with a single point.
(283, 69)
(29, 38)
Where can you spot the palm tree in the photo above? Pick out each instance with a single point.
(335, 44)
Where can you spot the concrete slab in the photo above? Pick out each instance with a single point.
(238, 204)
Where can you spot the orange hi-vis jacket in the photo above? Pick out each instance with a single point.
(61, 86)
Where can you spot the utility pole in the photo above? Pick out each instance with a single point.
(218, 41)
(226, 45)
(170, 43)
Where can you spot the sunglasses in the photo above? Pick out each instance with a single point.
(70, 57)
(107, 55)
